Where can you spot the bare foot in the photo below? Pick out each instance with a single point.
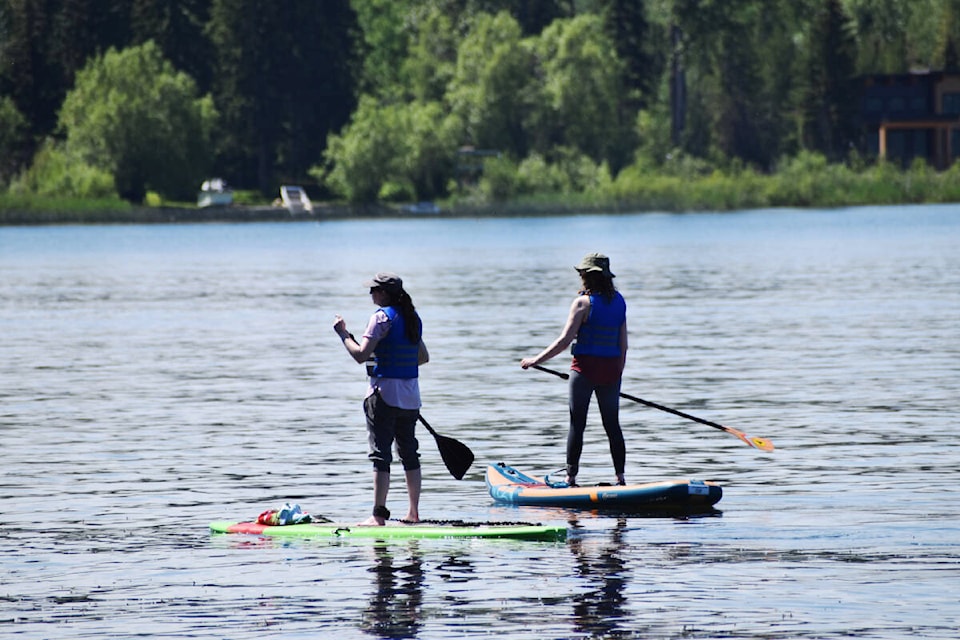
(372, 521)
(412, 518)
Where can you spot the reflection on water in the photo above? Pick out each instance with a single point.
(396, 604)
(599, 610)
(153, 379)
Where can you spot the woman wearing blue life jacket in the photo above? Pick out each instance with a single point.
(598, 322)
(393, 338)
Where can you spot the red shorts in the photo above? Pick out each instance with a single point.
(598, 369)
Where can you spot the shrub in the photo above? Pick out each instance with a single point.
(55, 172)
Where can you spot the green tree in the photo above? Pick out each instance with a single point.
(742, 115)
(407, 148)
(43, 43)
(739, 58)
(432, 57)
(582, 83)
(84, 28)
(491, 90)
(361, 158)
(639, 45)
(431, 148)
(285, 76)
(177, 26)
(830, 100)
(947, 54)
(533, 17)
(57, 173)
(384, 35)
(895, 35)
(27, 73)
(134, 116)
(13, 135)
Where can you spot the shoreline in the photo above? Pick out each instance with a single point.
(323, 212)
(250, 213)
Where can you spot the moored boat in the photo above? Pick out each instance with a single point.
(511, 486)
(214, 193)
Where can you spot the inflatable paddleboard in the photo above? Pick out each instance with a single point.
(396, 529)
(510, 486)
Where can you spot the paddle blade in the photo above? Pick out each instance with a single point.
(762, 443)
(456, 455)
(757, 443)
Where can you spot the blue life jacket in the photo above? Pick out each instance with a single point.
(396, 355)
(599, 334)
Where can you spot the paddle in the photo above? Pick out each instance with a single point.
(759, 443)
(456, 455)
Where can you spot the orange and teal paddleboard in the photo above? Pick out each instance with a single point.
(510, 486)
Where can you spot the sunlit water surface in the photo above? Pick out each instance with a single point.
(155, 378)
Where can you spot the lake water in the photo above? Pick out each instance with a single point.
(155, 378)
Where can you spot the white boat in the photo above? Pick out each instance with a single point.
(295, 199)
(215, 193)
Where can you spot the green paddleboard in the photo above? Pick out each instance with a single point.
(397, 530)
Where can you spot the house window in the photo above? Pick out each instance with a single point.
(874, 105)
(895, 144)
(951, 104)
(897, 104)
(919, 144)
(918, 104)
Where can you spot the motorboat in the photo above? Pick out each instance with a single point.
(215, 193)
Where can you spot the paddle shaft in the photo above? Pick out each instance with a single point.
(654, 405)
(427, 425)
(753, 442)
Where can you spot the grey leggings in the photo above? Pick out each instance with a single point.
(608, 397)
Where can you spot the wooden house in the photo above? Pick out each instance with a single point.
(911, 115)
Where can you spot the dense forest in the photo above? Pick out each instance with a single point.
(407, 100)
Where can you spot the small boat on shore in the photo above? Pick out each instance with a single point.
(295, 200)
(510, 486)
(214, 193)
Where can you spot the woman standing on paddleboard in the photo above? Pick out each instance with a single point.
(394, 338)
(598, 322)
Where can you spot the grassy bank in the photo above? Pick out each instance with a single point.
(32, 209)
(806, 182)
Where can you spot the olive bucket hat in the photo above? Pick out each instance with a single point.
(595, 262)
(385, 280)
